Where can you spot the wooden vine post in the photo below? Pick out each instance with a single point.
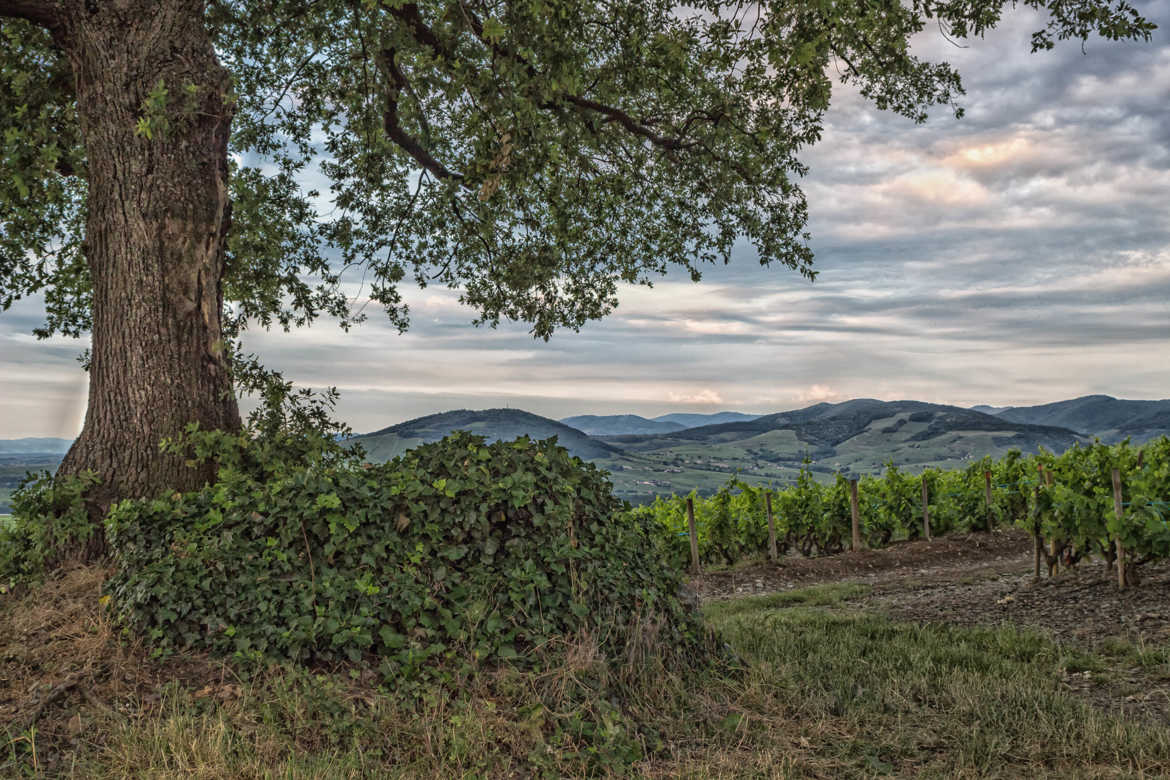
(856, 515)
(925, 509)
(987, 497)
(1053, 547)
(1036, 534)
(1120, 546)
(771, 527)
(694, 536)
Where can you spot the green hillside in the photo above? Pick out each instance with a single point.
(492, 424)
(1110, 419)
(15, 467)
(858, 436)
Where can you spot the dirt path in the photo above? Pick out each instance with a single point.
(986, 579)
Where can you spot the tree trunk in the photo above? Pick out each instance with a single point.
(155, 239)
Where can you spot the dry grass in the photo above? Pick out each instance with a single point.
(64, 675)
(823, 693)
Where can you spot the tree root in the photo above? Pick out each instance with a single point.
(59, 692)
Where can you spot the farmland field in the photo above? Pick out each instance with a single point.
(977, 581)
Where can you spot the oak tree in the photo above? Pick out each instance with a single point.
(158, 159)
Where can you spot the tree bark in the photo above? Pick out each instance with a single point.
(156, 235)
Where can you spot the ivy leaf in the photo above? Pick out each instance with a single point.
(493, 29)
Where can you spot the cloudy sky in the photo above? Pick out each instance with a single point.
(1019, 255)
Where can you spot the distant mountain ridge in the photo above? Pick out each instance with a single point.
(38, 445)
(696, 420)
(619, 424)
(1111, 419)
(634, 425)
(854, 437)
(989, 409)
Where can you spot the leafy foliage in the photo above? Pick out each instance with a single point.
(457, 553)
(1066, 499)
(532, 155)
(1071, 503)
(49, 522)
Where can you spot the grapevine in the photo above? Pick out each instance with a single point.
(1065, 501)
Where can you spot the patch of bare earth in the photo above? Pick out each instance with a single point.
(957, 555)
(988, 579)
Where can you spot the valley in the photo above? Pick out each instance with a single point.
(677, 453)
(854, 437)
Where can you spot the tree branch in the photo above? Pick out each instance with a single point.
(412, 18)
(40, 12)
(396, 81)
(626, 121)
(612, 113)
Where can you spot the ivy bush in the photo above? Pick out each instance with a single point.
(455, 554)
(49, 522)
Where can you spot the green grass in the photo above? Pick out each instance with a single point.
(820, 691)
(934, 698)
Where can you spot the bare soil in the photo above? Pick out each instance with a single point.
(961, 554)
(988, 579)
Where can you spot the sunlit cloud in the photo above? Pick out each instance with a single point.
(820, 393)
(993, 154)
(701, 398)
(938, 186)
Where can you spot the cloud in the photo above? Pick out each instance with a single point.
(702, 397)
(820, 393)
(937, 185)
(1018, 255)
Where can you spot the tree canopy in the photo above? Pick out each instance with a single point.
(531, 153)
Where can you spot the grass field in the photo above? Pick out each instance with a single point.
(823, 689)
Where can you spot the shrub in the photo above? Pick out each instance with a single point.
(459, 552)
(49, 522)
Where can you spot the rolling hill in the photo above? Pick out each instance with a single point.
(855, 436)
(492, 424)
(696, 420)
(675, 453)
(20, 457)
(620, 425)
(858, 436)
(1111, 419)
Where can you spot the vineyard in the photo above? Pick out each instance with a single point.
(1094, 501)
